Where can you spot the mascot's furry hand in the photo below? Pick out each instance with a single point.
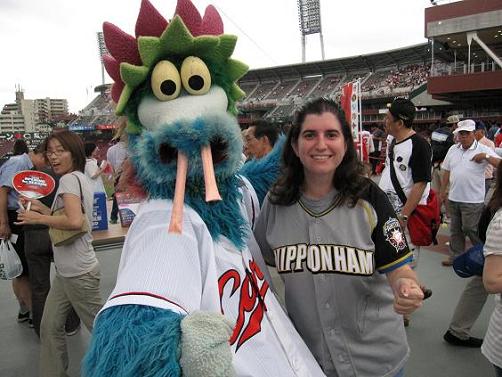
(157, 342)
(205, 351)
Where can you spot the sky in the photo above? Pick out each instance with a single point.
(49, 47)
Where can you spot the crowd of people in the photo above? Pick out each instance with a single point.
(462, 168)
(322, 180)
(408, 76)
(55, 309)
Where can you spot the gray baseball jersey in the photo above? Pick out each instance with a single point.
(327, 257)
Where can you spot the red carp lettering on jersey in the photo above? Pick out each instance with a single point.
(251, 300)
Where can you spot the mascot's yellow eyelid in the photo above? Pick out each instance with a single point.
(166, 81)
(195, 76)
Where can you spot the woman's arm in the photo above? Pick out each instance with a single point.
(98, 173)
(93, 169)
(71, 219)
(492, 273)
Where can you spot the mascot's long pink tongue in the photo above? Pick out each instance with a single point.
(212, 193)
(179, 194)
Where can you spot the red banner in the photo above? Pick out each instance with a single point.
(345, 101)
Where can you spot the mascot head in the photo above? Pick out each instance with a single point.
(176, 84)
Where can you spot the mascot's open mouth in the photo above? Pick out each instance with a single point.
(168, 154)
(218, 150)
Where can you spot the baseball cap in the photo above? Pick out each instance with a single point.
(480, 125)
(452, 119)
(403, 109)
(465, 125)
(470, 263)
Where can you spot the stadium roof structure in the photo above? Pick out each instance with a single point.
(472, 29)
(360, 63)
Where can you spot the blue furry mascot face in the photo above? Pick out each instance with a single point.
(187, 124)
(176, 83)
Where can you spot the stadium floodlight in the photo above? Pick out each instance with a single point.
(309, 15)
(102, 52)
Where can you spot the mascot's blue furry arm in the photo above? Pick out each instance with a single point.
(263, 172)
(137, 340)
(145, 340)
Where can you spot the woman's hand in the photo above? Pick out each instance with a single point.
(36, 205)
(29, 217)
(408, 295)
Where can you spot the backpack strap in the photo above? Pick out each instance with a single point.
(81, 196)
(393, 177)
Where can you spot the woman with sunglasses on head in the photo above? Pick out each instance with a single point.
(492, 277)
(77, 270)
(337, 244)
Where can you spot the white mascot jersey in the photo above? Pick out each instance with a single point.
(191, 272)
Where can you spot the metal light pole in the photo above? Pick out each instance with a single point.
(309, 17)
(102, 51)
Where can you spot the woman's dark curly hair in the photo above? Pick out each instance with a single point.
(348, 180)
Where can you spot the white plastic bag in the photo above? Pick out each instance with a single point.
(10, 264)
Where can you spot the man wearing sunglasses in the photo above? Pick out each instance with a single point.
(464, 169)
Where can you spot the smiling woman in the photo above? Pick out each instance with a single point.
(334, 238)
(77, 279)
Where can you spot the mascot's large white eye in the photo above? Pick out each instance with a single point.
(195, 76)
(166, 81)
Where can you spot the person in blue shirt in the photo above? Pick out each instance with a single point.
(8, 215)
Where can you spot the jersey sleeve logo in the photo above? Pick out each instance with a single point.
(394, 235)
(252, 291)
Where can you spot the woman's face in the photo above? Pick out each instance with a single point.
(59, 158)
(321, 145)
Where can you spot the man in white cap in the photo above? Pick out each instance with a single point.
(464, 168)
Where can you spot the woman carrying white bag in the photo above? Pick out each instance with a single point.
(77, 270)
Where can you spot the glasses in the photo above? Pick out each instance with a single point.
(57, 153)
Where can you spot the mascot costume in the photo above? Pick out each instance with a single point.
(192, 296)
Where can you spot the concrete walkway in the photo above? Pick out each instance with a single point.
(430, 355)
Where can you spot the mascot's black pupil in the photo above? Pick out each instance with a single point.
(168, 87)
(196, 82)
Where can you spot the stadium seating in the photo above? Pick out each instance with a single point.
(326, 86)
(385, 81)
(303, 88)
(375, 80)
(283, 111)
(262, 91)
(282, 89)
(248, 88)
